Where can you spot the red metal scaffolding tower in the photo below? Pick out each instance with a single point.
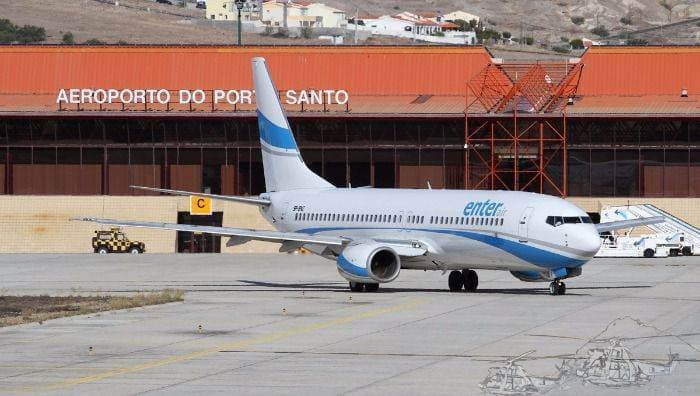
(521, 143)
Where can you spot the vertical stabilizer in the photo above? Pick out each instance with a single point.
(284, 167)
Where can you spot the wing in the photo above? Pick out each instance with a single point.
(248, 200)
(617, 225)
(241, 235)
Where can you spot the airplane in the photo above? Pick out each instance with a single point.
(372, 234)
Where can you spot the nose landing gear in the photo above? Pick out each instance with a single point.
(557, 288)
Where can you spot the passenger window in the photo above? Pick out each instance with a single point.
(501, 221)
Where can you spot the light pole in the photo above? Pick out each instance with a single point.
(239, 5)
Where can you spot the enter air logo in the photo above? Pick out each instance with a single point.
(484, 208)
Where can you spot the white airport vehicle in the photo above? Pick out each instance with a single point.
(372, 234)
(655, 245)
(671, 229)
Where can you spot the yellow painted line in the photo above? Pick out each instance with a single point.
(232, 345)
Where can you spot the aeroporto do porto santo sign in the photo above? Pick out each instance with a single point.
(194, 96)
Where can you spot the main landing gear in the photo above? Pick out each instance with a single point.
(466, 278)
(360, 287)
(557, 288)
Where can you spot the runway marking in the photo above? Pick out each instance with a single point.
(232, 345)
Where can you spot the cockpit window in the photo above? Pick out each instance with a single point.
(556, 221)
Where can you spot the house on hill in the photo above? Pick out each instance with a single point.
(465, 16)
(302, 14)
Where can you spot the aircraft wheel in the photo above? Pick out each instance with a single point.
(471, 280)
(562, 288)
(357, 287)
(554, 288)
(455, 281)
(371, 287)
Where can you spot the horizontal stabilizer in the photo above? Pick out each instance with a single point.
(618, 225)
(233, 198)
(240, 233)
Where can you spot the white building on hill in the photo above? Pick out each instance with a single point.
(430, 28)
(465, 16)
(302, 14)
(225, 10)
(274, 13)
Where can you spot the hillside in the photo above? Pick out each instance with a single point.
(130, 23)
(548, 21)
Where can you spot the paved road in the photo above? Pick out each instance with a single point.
(284, 324)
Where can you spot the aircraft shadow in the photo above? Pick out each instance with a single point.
(342, 288)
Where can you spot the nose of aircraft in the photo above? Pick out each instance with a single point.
(588, 241)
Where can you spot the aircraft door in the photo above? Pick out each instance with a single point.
(523, 224)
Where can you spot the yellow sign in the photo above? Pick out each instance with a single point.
(200, 206)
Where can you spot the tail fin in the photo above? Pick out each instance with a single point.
(282, 162)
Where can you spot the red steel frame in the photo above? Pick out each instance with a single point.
(516, 152)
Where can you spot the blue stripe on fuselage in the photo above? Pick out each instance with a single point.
(531, 254)
(275, 135)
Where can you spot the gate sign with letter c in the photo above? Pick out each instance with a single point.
(200, 206)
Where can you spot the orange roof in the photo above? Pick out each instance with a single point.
(640, 70)
(449, 25)
(31, 76)
(427, 14)
(379, 79)
(646, 104)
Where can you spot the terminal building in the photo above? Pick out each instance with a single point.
(79, 125)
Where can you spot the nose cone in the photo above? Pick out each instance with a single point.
(588, 241)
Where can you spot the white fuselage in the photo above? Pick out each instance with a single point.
(473, 229)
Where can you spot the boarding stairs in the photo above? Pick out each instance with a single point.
(672, 226)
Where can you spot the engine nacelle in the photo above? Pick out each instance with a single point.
(369, 262)
(547, 276)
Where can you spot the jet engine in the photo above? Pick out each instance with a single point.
(369, 262)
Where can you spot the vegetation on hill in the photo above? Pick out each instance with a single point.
(27, 34)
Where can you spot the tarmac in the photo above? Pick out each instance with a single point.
(287, 324)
